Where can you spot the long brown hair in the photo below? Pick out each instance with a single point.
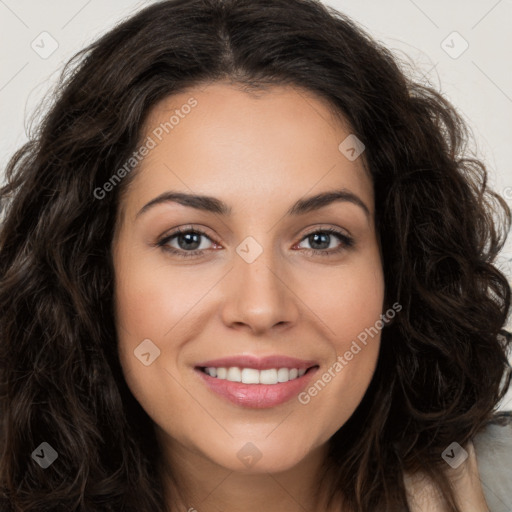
(443, 364)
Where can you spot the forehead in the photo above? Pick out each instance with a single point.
(252, 146)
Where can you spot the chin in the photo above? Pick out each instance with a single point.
(259, 457)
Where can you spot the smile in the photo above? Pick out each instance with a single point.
(252, 382)
(253, 376)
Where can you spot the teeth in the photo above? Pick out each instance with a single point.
(268, 376)
(253, 376)
(250, 376)
(234, 374)
(283, 375)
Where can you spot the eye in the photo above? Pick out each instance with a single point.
(187, 242)
(321, 240)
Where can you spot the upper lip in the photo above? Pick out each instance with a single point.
(258, 363)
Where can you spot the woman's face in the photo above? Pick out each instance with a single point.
(249, 297)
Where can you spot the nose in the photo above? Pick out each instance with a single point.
(258, 295)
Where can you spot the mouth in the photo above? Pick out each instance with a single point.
(269, 377)
(257, 383)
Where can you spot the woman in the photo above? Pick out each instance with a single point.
(253, 369)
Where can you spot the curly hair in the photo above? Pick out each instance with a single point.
(442, 366)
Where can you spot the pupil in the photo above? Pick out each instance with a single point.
(318, 239)
(190, 238)
(315, 238)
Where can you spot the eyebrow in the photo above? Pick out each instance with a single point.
(214, 205)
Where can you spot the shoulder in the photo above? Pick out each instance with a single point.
(493, 448)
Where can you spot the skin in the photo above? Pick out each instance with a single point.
(259, 154)
(424, 497)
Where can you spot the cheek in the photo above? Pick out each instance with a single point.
(154, 301)
(350, 306)
(150, 298)
(348, 300)
(147, 308)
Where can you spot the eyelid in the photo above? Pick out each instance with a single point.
(197, 228)
(327, 228)
(170, 234)
(346, 240)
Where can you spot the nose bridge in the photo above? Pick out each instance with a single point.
(257, 294)
(257, 267)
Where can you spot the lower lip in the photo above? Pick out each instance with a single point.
(257, 396)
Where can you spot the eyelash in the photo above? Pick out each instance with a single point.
(346, 242)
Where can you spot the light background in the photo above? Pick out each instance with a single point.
(478, 81)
